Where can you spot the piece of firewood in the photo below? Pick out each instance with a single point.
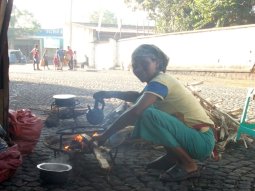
(196, 83)
(96, 151)
(235, 112)
(102, 161)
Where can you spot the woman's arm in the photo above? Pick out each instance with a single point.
(129, 117)
(129, 96)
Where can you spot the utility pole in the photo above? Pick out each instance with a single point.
(71, 23)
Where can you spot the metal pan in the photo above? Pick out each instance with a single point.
(65, 100)
(55, 173)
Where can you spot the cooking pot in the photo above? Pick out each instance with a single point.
(95, 116)
(65, 100)
(54, 173)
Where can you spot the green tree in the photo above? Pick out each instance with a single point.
(107, 18)
(22, 23)
(237, 12)
(181, 15)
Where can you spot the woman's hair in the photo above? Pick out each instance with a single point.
(152, 52)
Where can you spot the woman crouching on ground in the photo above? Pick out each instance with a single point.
(165, 113)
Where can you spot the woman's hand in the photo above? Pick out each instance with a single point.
(100, 95)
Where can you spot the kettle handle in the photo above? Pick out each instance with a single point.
(97, 104)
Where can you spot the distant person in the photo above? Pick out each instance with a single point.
(56, 61)
(60, 54)
(45, 59)
(74, 59)
(252, 60)
(69, 55)
(35, 53)
(86, 62)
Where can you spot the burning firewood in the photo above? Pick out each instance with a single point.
(84, 143)
(77, 144)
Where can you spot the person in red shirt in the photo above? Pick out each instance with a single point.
(35, 53)
(69, 54)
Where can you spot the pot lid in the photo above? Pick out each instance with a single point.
(64, 96)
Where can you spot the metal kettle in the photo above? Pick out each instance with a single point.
(95, 116)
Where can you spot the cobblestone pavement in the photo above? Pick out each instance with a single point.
(34, 89)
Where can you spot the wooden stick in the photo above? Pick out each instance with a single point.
(195, 83)
(102, 161)
(96, 150)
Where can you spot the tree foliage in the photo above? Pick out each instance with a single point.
(181, 15)
(22, 23)
(108, 17)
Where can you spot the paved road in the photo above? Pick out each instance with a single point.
(34, 89)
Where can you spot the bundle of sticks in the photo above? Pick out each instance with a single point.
(226, 122)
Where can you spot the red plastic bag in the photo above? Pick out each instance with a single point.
(25, 129)
(10, 160)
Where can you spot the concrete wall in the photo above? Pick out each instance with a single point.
(105, 55)
(82, 41)
(224, 49)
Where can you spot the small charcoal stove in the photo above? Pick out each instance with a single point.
(67, 103)
(77, 139)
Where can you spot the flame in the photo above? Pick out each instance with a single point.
(78, 138)
(66, 148)
(95, 134)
